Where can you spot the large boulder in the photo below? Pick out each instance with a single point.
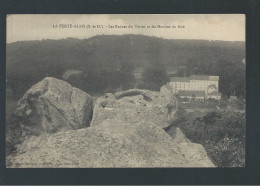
(52, 106)
(113, 143)
(136, 105)
(177, 135)
(126, 130)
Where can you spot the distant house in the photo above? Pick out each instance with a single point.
(196, 83)
(138, 74)
(196, 95)
(214, 95)
(232, 98)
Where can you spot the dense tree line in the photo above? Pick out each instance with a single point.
(154, 76)
(98, 83)
(108, 62)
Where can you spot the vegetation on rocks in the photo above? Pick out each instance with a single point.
(222, 133)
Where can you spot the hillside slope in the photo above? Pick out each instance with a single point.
(109, 61)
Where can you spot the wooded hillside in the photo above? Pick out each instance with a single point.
(108, 62)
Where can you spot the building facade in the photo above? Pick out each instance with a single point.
(192, 95)
(207, 84)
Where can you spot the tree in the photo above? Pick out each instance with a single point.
(154, 76)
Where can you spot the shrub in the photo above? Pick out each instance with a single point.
(230, 152)
(222, 133)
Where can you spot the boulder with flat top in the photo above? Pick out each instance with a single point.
(53, 105)
(135, 105)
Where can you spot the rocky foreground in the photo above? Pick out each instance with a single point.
(61, 127)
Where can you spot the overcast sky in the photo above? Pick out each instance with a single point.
(228, 27)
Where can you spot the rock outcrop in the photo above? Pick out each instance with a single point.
(113, 143)
(52, 106)
(192, 151)
(177, 135)
(135, 105)
(127, 130)
(196, 153)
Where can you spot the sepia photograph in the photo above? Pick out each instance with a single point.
(125, 90)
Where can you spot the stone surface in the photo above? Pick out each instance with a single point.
(177, 135)
(127, 130)
(196, 153)
(192, 151)
(136, 105)
(114, 143)
(52, 106)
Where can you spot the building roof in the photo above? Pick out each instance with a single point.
(190, 93)
(180, 79)
(205, 77)
(233, 97)
(215, 93)
(194, 77)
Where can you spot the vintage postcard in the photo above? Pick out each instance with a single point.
(125, 90)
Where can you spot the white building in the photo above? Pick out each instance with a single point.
(208, 84)
(214, 95)
(196, 95)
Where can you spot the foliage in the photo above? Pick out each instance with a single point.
(230, 152)
(154, 76)
(101, 82)
(13, 133)
(28, 62)
(222, 133)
